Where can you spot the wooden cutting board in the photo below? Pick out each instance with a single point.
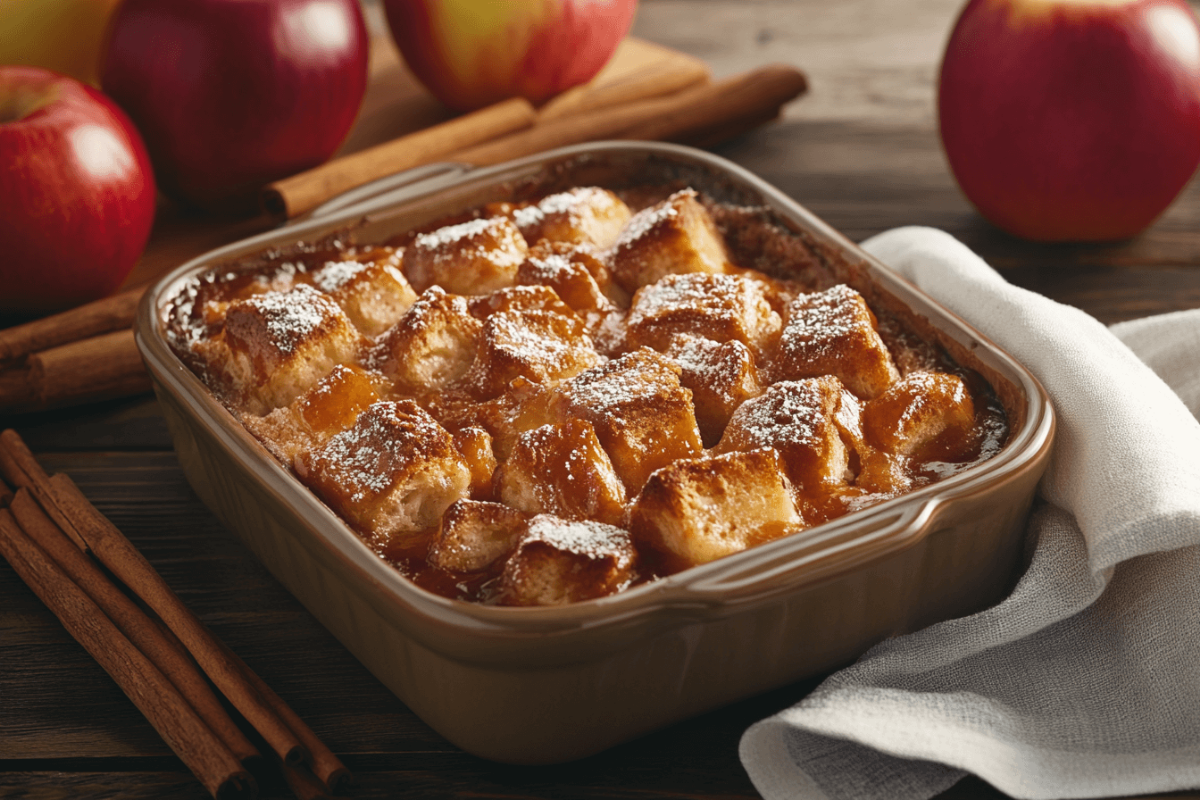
(395, 104)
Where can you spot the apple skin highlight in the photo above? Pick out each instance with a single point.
(1072, 121)
(77, 194)
(471, 54)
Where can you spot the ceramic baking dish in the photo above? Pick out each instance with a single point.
(543, 685)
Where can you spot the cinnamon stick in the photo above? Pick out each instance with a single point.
(293, 196)
(123, 560)
(749, 95)
(109, 314)
(94, 369)
(6, 495)
(16, 389)
(21, 469)
(100, 368)
(170, 714)
(141, 631)
(291, 739)
(285, 733)
(656, 80)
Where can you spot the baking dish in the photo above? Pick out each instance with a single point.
(545, 685)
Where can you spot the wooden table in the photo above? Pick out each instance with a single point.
(861, 150)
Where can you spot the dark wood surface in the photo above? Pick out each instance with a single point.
(861, 151)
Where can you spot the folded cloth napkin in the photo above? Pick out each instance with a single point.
(1085, 682)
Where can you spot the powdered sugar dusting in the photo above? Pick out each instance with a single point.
(291, 317)
(788, 413)
(336, 274)
(648, 218)
(586, 538)
(388, 439)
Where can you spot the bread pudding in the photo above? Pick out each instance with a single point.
(550, 400)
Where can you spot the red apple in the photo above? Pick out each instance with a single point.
(472, 54)
(76, 192)
(233, 94)
(1072, 119)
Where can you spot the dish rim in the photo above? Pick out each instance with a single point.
(717, 588)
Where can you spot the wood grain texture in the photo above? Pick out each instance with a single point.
(860, 150)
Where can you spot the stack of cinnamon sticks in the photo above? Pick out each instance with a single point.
(83, 355)
(88, 354)
(161, 657)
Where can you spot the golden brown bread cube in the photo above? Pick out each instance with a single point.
(560, 561)
(393, 474)
(474, 257)
(311, 419)
(369, 287)
(833, 333)
(702, 509)
(586, 214)
(432, 345)
(720, 375)
(475, 445)
(518, 298)
(474, 535)
(562, 470)
(281, 344)
(575, 273)
(522, 406)
(719, 307)
(674, 236)
(883, 473)
(642, 415)
(914, 412)
(540, 346)
(804, 420)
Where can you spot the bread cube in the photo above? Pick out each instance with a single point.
(702, 509)
(833, 333)
(475, 445)
(431, 346)
(575, 273)
(642, 415)
(559, 561)
(915, 412)
(674, 236)
(723, 308)
(474, 257)
(282, 343)
(883, 473)
(562, 470)
(540, 346)
(720, 375)
(311, 419)
(518, 298)
(474, 536)
(801, 420)
(522, 406)
(392, 475)
(369, 287)
(585, 215)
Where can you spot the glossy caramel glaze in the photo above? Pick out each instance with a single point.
(549, 401)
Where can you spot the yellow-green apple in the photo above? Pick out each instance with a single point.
(1072, 119)
(76, 192)
(470, 53)
(233, 94)
(60, 35)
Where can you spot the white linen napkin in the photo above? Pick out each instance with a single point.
(1085, 682)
